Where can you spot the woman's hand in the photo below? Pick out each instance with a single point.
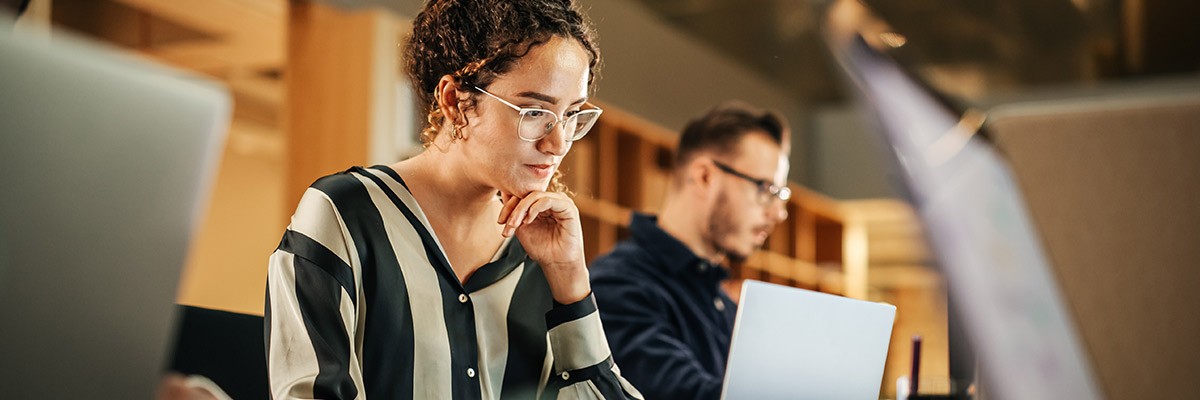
(547, 224)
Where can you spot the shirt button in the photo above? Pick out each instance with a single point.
(462, 298)
(719, 304)
(566, 375)
(703, 266)
(470, 372)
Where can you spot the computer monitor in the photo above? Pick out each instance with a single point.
(980, 231)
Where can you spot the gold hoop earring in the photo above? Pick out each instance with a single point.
(456, 134)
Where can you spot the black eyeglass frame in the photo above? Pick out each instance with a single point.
(782, 193)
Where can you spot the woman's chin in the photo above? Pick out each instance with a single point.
(525, 188)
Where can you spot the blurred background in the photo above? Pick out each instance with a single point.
(318, 87)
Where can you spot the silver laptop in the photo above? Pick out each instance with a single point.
(791, 343)
(104, 163)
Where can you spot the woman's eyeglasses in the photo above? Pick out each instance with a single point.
(535, 123)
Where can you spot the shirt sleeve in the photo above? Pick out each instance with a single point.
(310, 312)
(648, 346)
(583, 364)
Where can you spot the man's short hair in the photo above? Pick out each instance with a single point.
(719, 130)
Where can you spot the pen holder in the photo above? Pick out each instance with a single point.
(931, 388)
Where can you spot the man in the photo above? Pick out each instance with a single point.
(666, 318)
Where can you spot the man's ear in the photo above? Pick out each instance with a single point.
(701, 176)
(447, 98)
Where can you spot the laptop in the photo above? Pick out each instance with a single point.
(105, 162)
(791, 343)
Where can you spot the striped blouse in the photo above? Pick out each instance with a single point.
(361, 303)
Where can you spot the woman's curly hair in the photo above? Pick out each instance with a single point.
(476, 41)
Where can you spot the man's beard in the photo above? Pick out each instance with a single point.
(720, 226)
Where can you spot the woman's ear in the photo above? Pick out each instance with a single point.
(446, 95)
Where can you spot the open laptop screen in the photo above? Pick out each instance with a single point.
(105, 163)
(981, 233)
(791, 343)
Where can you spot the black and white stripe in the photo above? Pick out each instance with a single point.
(361, 303)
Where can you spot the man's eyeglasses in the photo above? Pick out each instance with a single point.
(767, 191)
(536, 123)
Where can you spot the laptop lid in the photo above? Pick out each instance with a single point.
(791, 343)
(104, 162)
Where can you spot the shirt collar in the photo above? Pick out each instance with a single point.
(668, 250)
(510, 256)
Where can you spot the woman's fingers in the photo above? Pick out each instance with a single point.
(514, 213)
(526, 210)
(518, 215)
(510, 202)
(533, 213)
(538, 207)
(556, 206)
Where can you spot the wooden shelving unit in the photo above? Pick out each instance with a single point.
(623, 166)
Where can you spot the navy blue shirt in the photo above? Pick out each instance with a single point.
(666, 318)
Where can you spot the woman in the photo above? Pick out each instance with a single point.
(403, 281)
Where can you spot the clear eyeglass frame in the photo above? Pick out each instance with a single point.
(767, 191)
(537, 123)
